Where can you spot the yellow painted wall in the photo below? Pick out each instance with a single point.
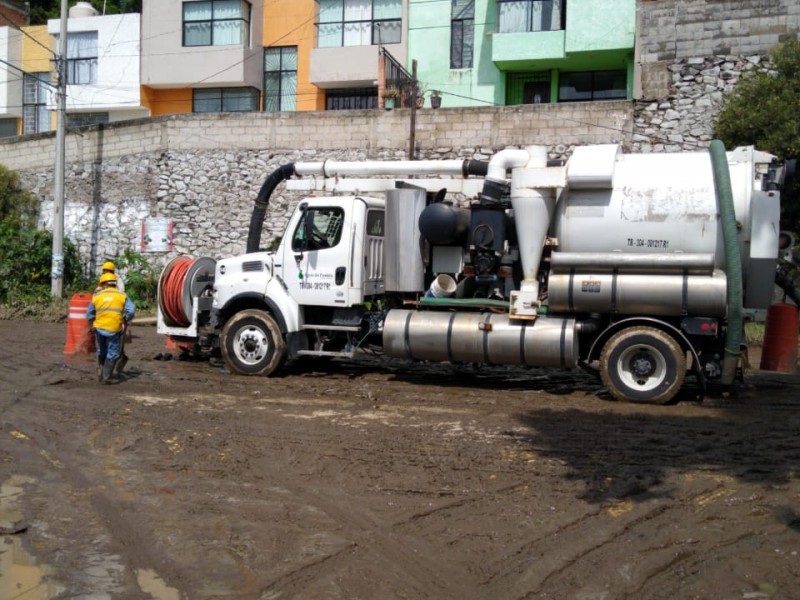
(167, 102)
(38, 54)
(291, 23)
(38, 49)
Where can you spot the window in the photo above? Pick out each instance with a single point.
(351, 99)
(239, 99)
(35, 116)
(596, 85)
(462, 28)
(216, 23)
(528, 88)
(375, 223)
(516, 16)
(358, 22)
(280, 78)
(82, 58)
(319, 228)
(84, 119)
(8, 127)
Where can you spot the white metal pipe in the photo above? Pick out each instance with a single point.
(505, 160)
(332, 168)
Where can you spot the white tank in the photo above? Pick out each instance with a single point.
(82, 9)
(665, 204)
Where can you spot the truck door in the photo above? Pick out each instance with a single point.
(317, 260)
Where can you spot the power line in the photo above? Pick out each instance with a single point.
(26, 34)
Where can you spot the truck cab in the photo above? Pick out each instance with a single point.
(314, 285)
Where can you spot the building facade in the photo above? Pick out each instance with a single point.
(511, 52)
(201, 56)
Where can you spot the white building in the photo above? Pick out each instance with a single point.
(102, 66)
(10, 80)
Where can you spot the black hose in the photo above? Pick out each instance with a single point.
(475, 167)
(784, 282)
(262, 200)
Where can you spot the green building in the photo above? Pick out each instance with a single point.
(523, 51)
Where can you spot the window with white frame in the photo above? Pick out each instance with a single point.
(82, 58)
(240, 99)
(280, 79)
(515, 16)
(359, 22)
(462, 27)
(35, 116)
(216, 23)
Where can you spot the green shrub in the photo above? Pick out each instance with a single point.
(141, 279)
(25, 261)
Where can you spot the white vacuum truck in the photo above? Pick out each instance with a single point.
(638, 266)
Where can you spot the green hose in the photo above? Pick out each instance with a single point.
(733, 260)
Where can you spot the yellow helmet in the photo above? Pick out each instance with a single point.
(108, 266)
(109, 278)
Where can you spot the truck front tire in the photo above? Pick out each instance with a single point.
(643, 364)
(252, 343)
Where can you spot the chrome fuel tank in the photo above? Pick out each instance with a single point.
(488, 338)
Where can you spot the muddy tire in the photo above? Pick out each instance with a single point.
(252, 343)
(643, 364)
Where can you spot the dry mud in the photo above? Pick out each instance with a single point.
(381, 479)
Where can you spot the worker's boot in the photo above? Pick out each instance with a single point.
(120, 365)
(108, 372)
(100, 361)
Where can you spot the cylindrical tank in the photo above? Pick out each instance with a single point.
(779, 352)
(666, 204)
(623, 293)
(487, 338)
(444, 224)
(82, 9)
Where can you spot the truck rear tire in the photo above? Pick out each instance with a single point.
(643, 364)
(252, 343)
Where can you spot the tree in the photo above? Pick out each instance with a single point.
(42, 10)
(18, 206)
(763, 111)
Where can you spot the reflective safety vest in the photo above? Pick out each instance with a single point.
(109, 306)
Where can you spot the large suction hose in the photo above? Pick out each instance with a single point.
(733, 260)
(260, 207)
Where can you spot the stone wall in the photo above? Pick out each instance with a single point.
(692, 53)
(203, 171)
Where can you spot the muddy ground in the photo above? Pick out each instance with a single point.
(383, 480)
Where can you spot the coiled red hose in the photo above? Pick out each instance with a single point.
(172, 292)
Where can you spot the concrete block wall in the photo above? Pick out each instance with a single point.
(203, 171)
(677, 29)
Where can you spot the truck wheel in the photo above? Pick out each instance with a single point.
(643, 364)
(252, 343)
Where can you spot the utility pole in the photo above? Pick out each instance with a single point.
(412, 136)
(57, 263)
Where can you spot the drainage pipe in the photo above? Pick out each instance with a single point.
(733, 260)
(262, 200)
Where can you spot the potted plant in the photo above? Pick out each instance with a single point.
(436, 99)
(391, 97)
(420, 96)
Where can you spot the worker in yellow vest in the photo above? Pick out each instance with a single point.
(108, 312)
